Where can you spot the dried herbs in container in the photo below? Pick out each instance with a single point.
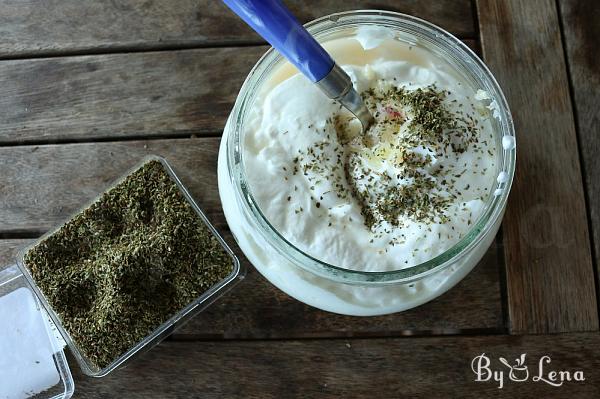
(117, 274)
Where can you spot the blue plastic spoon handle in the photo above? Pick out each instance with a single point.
(276, 24)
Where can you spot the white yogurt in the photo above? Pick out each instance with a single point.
(291, 115)
(291, 120)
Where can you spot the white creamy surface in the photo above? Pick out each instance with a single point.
(292, 117)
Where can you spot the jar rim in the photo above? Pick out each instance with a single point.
(465, 58)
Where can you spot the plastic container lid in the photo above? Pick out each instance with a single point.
(32, 361)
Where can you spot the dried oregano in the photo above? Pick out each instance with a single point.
(405, 119)
(127, 263)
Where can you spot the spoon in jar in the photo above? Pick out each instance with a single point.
(276, 24)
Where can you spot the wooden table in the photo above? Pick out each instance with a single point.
(88, 88)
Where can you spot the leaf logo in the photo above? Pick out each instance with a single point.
(519, 371)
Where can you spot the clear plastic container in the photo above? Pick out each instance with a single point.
(168, 326)
(55, 381)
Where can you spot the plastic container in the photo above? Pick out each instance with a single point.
(55, 381)
(168, 326)
(329, 286)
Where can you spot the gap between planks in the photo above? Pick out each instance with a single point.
(340, 335)
(148, 48)
(115, 139)
(129, 49)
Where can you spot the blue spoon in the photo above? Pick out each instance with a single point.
(276, 24)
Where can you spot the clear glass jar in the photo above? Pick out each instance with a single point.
(328, 286)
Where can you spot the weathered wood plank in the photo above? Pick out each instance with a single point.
(9, 249)
(67, 26)
(431, 367)
(550, 278)
(122, 95)
(581, 33)
(43, 185)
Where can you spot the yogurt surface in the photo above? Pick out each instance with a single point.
(400, 195)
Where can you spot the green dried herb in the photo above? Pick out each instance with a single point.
(127, 263)
(433, 125)
(405, 119)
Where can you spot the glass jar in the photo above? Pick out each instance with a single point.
(328, 286)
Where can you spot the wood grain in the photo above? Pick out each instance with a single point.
(581, 33)
(432, 367)
(9, 249)
(42, 185)
(550, 278)
(121, 95)
(117, 96)
(54, 27)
